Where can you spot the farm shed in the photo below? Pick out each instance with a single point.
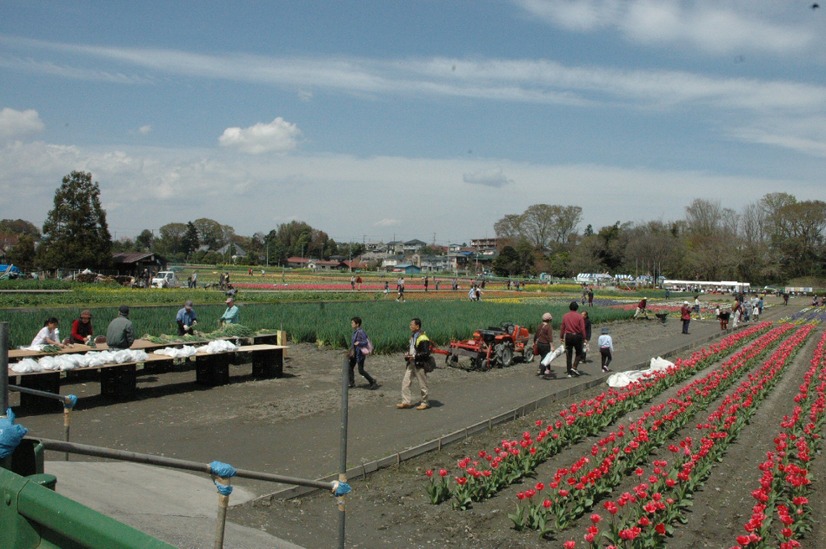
(133, 263)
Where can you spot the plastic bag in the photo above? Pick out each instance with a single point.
(10, 434)
(546, 360)
(367, 349)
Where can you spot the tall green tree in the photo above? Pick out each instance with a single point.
(210, 233)
(75, 233)
(23, 253)
(545, 226)
(145, 240)
(190, 240)
(19, 227)
(171, 240)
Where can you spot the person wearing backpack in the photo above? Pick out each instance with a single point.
(417, 360)
(360, 347)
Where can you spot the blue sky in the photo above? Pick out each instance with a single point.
(382, 119)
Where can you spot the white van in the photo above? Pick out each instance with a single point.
(165, 279)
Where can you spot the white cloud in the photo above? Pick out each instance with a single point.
(387, 222)
(488, 178)
(710, 26)
(541, 81)
(145, 130)
(348, 196)
(277, 136)
(17, 124)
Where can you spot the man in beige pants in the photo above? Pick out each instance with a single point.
(417, 354)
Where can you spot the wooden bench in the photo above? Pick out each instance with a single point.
(119, 380)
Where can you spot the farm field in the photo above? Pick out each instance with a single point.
(775, 376)
(289, 425)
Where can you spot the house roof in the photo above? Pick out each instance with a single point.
(237, 250)
(132, 257)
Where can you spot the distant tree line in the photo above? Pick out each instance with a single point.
(776, 239)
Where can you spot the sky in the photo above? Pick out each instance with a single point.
(380, 120)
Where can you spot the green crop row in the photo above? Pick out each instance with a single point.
(321, 322)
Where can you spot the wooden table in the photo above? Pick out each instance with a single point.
(118, 380)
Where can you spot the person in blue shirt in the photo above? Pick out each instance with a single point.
(358, 349)
(231, 315)
(186, 319)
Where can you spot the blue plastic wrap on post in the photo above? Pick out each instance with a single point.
(223, 470)
(69, 401)
(10, 434)
(341, 488)
(224, 490)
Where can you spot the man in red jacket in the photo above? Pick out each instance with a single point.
(572, 334)
(685, 316)
(642, 308)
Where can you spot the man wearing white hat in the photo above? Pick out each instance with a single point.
(685, 316)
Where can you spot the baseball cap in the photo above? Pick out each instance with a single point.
(188, 304)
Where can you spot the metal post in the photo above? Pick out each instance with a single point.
(342, 464)
(4, 379)
(4, 364)
(67, 423)
(163, 461)
(220, 523)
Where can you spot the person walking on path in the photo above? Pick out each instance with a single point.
(697, 308)
(642, 308)
(543, 340)
(417, 355)
(735, 313)
(572, 333)
(120, 334)
(82, 331)
(186, 319)
(685, 316)
(606, 349)
(400, 289)
(587, 341)
(231, 315)
(358, 347)
(723, 317)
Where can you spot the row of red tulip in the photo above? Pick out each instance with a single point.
(574, 490)
(482, 476)
(785, 481)
(645, 515)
